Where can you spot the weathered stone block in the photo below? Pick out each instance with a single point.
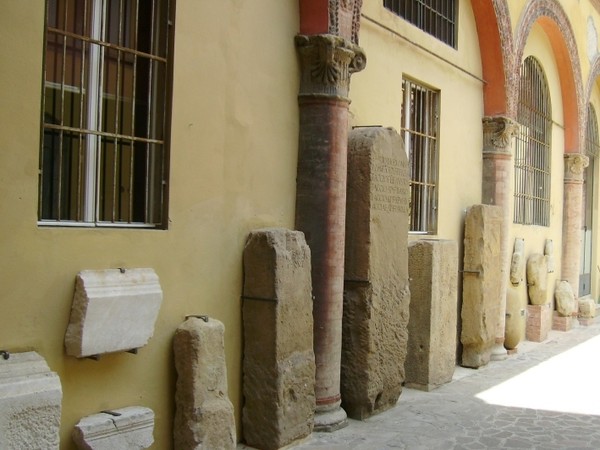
(433, 270)
(279, 363)
(376, 291)
(112, 311)
(537, 279)
(516, 316)
(204, 415)
(30, 403)
(539, 321)
(586, 308)
(565, 299)
(128, 428)
(481, 283)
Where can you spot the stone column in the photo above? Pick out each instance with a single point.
(575, 163)
(497, 190)
(327, 61)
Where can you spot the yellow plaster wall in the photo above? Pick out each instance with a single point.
(233, 167)
(395, 48)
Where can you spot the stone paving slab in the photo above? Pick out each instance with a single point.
(489, 408)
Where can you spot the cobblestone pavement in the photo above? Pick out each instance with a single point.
(547, 396)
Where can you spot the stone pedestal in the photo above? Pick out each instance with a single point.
(279, 364)
(30, 403)
(561, 323)
(539, 321)
(376, 292)
(433, 271)
(128, 428)
(203, 415)
(482, 279)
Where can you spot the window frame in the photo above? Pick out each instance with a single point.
(90, 37)
(423, 140)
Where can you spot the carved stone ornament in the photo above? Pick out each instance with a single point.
(498, 133)
(575, 163)
(327, 61)
(344, 18)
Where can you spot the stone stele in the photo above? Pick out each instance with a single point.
(537, 279)
(30, 403)
(433, 270)
(203, 412)
(113, 310)
(482, 277)
(565, 299)
(129, 428)
(279, 362)
(376, 290)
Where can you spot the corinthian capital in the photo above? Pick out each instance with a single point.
(327, 61)
(497, 134)
(575, 163)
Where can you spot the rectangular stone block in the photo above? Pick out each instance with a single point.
(539, 322)
(279, 361)
(560, 323)
(482, 278)
(124, 428)
(433, 270)
(203, 412)
(112, 311)
(30, 403)
(376, 291)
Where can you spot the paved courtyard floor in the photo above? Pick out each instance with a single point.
(547, 396)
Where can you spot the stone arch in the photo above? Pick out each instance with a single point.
(496, 47)
(553, 20)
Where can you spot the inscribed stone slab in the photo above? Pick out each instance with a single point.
(376, 291)
(279, 362)
(30, 403)
(112, 311)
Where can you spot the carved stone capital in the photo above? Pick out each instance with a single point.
(327, 61)
(575, 163)
(497, 134)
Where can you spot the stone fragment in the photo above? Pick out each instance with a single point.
(204, 414)
(376, 290)
(30, 403)
(279, 362)
(517, 262)
(549, 254)
(112, 311)
(482, 278)
(565, 299)
(129, 428)
(516, 316)
(537, 279)
(586, 308)
(433, 271)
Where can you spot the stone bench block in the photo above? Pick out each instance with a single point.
(30, 403)
(279, 362)
(431, 357)
(129, 428)
(112, 311)
(204, 414)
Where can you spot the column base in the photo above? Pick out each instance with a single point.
(499, 353)
(330, 418)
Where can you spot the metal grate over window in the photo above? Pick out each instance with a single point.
(436, 17)
(533, 147)
(420, 130)
(103, 155)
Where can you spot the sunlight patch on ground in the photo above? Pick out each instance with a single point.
(568, 382)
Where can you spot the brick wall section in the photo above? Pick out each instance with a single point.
(539, 321)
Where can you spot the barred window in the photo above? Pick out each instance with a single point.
(103, 156)
(420, 130)
(533, 147)
(436, 17)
